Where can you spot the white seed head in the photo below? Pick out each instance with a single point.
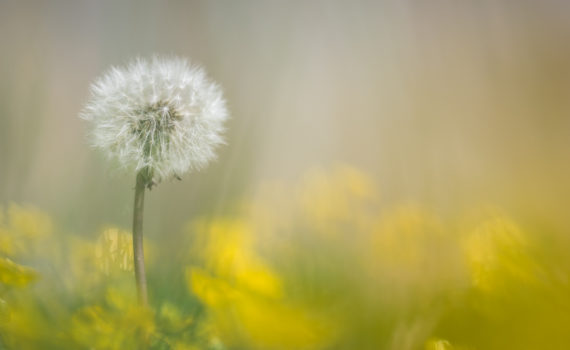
(163, 115)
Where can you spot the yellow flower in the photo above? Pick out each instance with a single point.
(118, 323)
(211, 291)
(438, 344)
(22, 229)
(497, 255)
(328, 199)
(243, 317)
(405, 236)
(411, 250)
(227, 248)
(244, 296)
(29, 222)
(13, 274)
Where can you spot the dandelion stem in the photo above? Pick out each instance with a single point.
(138, 237)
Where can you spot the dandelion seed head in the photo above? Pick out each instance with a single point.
(162, 114)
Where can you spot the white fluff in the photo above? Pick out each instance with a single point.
(161, 114)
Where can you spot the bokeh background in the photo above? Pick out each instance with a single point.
(450, 105)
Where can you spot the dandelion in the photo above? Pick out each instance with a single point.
(161, 117)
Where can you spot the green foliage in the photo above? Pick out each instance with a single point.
(322, 265)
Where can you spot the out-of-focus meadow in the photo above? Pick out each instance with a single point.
(396, 176)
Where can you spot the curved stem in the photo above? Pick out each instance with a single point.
(138, 249)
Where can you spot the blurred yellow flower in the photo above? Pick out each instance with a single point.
(173, 320)
(12, 274)
(212, 291)
(406, 238)
(114, 250)
(22, 229)
(244, 296)
(318, 266)
(328, 199)
(227, 249)
(119, 323)
(497, 253)
(29, 222)
(411, 249)
(242, 317)
(438, 344)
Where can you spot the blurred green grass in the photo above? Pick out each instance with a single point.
(324, 264)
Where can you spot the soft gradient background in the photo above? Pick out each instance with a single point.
(452, 105)
(446, 102)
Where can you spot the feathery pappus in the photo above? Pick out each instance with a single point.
(163, 115)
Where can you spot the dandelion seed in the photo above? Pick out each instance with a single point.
(162, 117)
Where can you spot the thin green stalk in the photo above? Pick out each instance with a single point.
(138, 249)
